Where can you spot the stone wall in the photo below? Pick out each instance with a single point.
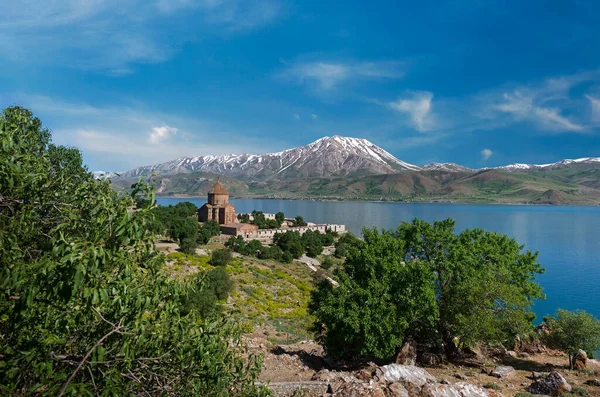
(266, 235)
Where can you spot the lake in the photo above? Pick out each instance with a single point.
(567, 237)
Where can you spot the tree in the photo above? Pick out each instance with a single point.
(279, 217)
(378, 300)
(571, 331)
(188, 245)
(289, 242)
(459, 289)
(220, 257)
(183, 228)
(299, 221)
(86, 307)
(312, 242)
(220, 283)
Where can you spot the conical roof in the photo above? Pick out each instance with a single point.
(218, 188)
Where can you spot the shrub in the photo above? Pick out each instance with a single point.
(221, 257)
(571, 331)
(327, 263)
(188, 246)
(220, 283)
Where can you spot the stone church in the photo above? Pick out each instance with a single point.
(218, 207)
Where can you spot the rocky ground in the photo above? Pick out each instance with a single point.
(302, 369)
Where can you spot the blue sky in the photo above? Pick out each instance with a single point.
(480, 83)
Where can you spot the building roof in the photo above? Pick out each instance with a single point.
(240, 226)
(218, 188)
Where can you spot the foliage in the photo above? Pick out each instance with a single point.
(327, 263)
(289, 242)
(299, 221)
(85, 306)
(220, 283)
(207, 231)
(188, 245)
(258, 219)
(571, 331)
(220, 257)
(344, 243)
(183, 228)
(312, 241)
(425, 280)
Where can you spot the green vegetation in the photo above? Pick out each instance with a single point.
(571, 331)
(86, 306)
(179, 223)
(424, 281)
(220, 257)
(258, 219)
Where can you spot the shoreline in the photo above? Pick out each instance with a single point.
(346, 200)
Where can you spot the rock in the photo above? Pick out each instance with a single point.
(430, 359)
(553, 385)
(397, 390)
(326, 375)
(445, 382)
(502, 371)
(580, 360)
(461, 376)
(543, 329)
(408, 353)
(539, 375)
(523, 355)
(359, 389)
(405, 374)
(460, 389)
(592, 382)
(511, 353)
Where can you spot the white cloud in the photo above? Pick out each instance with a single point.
(296, 116)
(162, 133)
(417, 105)
(314, 116)
(529, 106)
(486, 154)
(118, 138)
(114, 35)
(595, 104)
(327, 75)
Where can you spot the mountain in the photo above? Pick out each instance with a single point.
(558, 164)
(337, 155)
(352, 168)
(449, 167)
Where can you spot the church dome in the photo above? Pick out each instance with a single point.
(218, 188)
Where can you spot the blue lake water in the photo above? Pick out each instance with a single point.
(567, 237)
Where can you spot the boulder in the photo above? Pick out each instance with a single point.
(592, 382)
(326, 375)
(460, 389)
(511, 353)
(580, 360)
(408, 353)
(553, 385)
(502, 371)
(359, 389)
(404, 374)
(430, 359)
(397, 390)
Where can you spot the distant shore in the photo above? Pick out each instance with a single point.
(372, 200)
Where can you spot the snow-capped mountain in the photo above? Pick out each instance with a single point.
(558, 164)
(335, 155)
(447, 167)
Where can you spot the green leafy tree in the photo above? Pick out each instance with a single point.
(378, 300)
(279, 217)
(571, 331)
(188, 245)
(312, 242)
(220, 283)
(221, 257)
(299, 221)
(85, 306)
(475, 286)
(289, 242)
(344, 243)
(183, 228)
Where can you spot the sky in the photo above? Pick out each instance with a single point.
(137, 82)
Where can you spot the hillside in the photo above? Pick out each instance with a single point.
(352, 168)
